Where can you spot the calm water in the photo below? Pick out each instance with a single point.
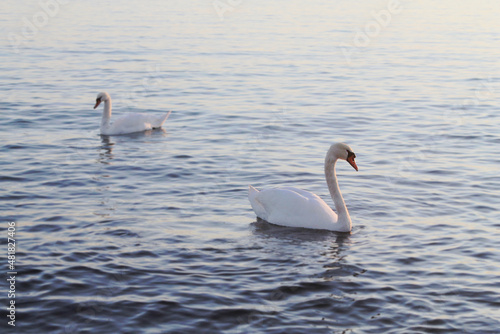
(153, 233)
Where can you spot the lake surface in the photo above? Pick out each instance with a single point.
(153, 233)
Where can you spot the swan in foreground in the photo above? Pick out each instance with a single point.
(128, 123)
(294, 207)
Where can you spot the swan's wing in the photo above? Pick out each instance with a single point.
(130, 123)
(154, 121)
(296, 208)
(306, 194)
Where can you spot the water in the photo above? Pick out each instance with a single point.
(153, 233)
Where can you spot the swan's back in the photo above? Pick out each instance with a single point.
(135, 122)
(131, 123)
(292, 207)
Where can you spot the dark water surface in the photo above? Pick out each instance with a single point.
(153, 233)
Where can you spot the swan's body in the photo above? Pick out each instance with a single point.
(128, 123)
(294, 207)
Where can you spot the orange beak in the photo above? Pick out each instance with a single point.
(97, 103)
(351, 162)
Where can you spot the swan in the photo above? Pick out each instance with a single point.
(128, 123)
(289, 206)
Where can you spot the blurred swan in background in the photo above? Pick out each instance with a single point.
(129, 123)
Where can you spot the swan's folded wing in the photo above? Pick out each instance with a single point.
(295, 207)
(279, 200)
(304, 193)
(130, 123)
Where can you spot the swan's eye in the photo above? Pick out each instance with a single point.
(350, 154)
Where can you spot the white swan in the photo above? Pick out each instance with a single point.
(128, 123)
(294, 207)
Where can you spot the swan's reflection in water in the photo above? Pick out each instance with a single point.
(128, 153)
(107, 145)
(298, 235)
(106, 204)
(143, 134)
(321, 253)
(106, 150)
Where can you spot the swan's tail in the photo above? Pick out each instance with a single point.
(159, 122)
(252, 192)
(256, 205)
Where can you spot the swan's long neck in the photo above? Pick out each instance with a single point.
(106, 114)
(331, 180)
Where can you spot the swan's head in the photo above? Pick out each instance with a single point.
(103, 96)
(341, 151)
